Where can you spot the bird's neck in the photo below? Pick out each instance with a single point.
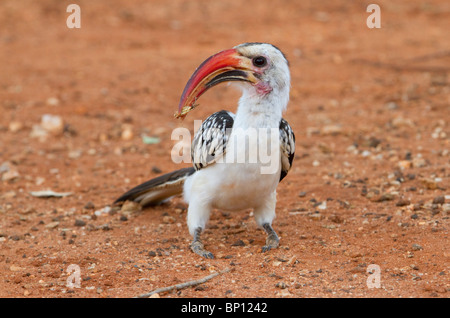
(257, 111)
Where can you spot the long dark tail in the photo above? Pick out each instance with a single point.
(158, 189)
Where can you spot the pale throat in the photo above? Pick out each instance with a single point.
(261, 109)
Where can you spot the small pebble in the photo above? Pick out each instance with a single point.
(15, 126)
(155, 169)
(446, 208)
(89, 205)
(167, 219)
(281, 285)
(79, 222)
(238, 243)
(52, 225)
(52, 123)
(416, 247)
(403, 202)
(53, 101)
(439, 200)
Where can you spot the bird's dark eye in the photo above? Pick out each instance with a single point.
(259, 61)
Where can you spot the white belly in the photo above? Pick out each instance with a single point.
(239, 181)
(231, 186)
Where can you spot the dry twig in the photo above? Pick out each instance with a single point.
(183, 285)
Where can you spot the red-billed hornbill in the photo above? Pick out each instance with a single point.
(217, 179)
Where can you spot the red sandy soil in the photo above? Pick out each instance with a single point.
(370, 109)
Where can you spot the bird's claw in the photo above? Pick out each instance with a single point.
(270, 244)
(198, 248)
(272, 240)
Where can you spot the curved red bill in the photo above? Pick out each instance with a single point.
(204, 75)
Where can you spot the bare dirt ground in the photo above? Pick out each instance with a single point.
(369, 185)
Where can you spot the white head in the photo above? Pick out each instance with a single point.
(261, 68)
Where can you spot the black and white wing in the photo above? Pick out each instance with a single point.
(211, 139)
(287, 144)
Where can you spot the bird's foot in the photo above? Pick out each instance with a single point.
(272, 240)
(197, 246)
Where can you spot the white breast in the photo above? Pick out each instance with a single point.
(249, 172)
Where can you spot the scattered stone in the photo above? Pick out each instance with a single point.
(8, 195)
(302, 194)
(150, 140)
(352, 149)
(439, 200)
(79, 222)
(403, 202)
(238, 243)
(336, 219)
(5, 166)
(416, 247)
(15, 126)
(52, 101)
(10, 175)
(89, 206)
(331, 130)
(384, 197)
(281, 285)
(168, 219)
(419, 162)
(284, 293)
(391, 105)
(155, 169)
(38, 132)
(105, 210)
(404, 164)
(399, 121)
(429, 184)
(446, 208)
(315, 216)
(52, 225)
(75, 154)
(40, 181)
(324, 148)
(322, 206)
(366, 153)
(127, 132)
(15, 268)
(105, 227)
(52, 124)
(14, 238)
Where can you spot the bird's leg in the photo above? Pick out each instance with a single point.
(272, 240)
(197, 246)
(264, 215)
